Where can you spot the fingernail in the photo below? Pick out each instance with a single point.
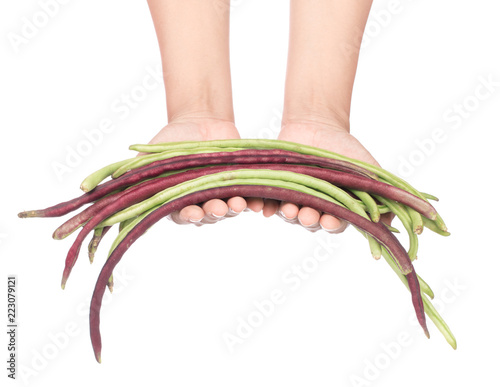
(230, 211)
(284, 216)
(216, 216)
(311, 227)
(195, 220)
(331, 229)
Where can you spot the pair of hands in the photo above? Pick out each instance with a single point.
(330, 136)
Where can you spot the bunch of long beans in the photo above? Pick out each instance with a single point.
(171, 176)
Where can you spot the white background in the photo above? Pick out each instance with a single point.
(182, 288)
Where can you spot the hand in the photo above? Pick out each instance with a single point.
(330, 136)
(205, 129)
(325, 39)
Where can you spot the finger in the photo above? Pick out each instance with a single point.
(332, 224)
(235, 206)
(189, 214)
(255, 204)
(288, 212)
(215, 210)
(216, 207)
(270, 207)
(309, 219)
(308, 216)
(313, 227)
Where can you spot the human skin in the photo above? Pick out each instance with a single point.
(325, 36)
(324, 42)
(193, 37)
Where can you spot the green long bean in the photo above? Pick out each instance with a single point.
(400, 211)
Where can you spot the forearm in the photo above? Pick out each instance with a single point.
(194, 43)
(325, 37)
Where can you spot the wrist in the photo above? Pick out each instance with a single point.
(330, 117)
(200, 114)
(202, 118)
(314, 100)
(199, 101)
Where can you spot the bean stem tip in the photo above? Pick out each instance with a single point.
(30, 214)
